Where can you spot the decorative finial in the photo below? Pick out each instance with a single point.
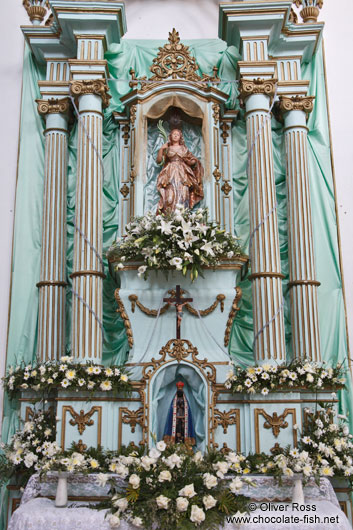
(311, 9)
(36, 9)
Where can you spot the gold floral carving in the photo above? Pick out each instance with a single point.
(217, 174)
(82, 419)
(225, 128)
(234, 309)
(311, 9)
(275, 422)
(154, 312)
(36, 9)
(123, 314)
(133, 417)
(133, 174)
(124, 190)
(173, 61)
(179, 350)
(53, 106)
(215, 114)
(81, 447)
(126, 135)
(133, 115)
(226, 188)
(98, 87)
(305, 104)
(225, 418)
(249, 87)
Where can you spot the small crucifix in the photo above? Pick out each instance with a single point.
(179, 302)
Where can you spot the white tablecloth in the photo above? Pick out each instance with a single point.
(40, 513)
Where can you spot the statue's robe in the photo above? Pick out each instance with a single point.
(179, 426)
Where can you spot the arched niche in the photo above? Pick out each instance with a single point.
(162, 390)
(196, 101)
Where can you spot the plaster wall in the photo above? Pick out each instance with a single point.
(194, 19)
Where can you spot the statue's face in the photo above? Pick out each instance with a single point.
(175, 135)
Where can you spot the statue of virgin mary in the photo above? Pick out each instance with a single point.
(179, 426)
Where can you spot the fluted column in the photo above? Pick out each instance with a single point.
(87, 276)
(302, 275)
(52, 284)
(269, 337)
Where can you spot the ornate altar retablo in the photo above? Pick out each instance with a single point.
(189, 135)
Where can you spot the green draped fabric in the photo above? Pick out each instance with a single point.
(27, 235)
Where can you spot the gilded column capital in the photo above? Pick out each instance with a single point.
(303, 103)
(249, 87)
(98, 87)
(53, 106)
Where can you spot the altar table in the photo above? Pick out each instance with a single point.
(39, 513)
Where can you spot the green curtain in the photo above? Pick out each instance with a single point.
(28, 218)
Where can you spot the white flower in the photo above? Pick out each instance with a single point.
(124, 378)
(134, 480)
(176, 262)
(182, 504)
(326, 471)
(146, 462)
(141, 270)
(162, 502)
(221, 468)
(121, 503)
(70, 374)
(236, 485)
(113, 520)
(164, 476)
(166, 227)
(174, 460)
(288, 472)
(154, 453)
(102, 479)
(264, 391)
(207, 247)
(209, 480)
(197, 515)
(137, 521)
(121, 470)
(209, 501)
(188, 491)
(81, 382)
(30, 459)
(65, 383)
(198, 457)
(309, 378)
(105, 385)
(161, 446)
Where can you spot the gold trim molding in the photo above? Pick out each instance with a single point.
(250, 87)
(234, 309)
(276, 422)
(123, 314)
(97, 87)
(82, 420)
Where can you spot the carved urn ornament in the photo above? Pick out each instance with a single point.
(36, 9)
(311, 9)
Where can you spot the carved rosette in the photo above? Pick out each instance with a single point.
(97, 87)
(53, 106)
(36, 9)
(249, 87)
(305, 104)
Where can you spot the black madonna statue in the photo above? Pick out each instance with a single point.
(180, 181)
(179, 426)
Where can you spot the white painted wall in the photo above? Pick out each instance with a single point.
(195, 19)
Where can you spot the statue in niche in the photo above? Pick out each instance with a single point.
(179, 426)
(180, 181)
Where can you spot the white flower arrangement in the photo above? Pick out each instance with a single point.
(183, 240)
(170, 487)
(299, 373)
(47, 376)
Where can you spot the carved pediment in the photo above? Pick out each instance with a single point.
(174, 61)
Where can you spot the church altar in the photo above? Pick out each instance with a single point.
(186, 290)
(39, 513)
